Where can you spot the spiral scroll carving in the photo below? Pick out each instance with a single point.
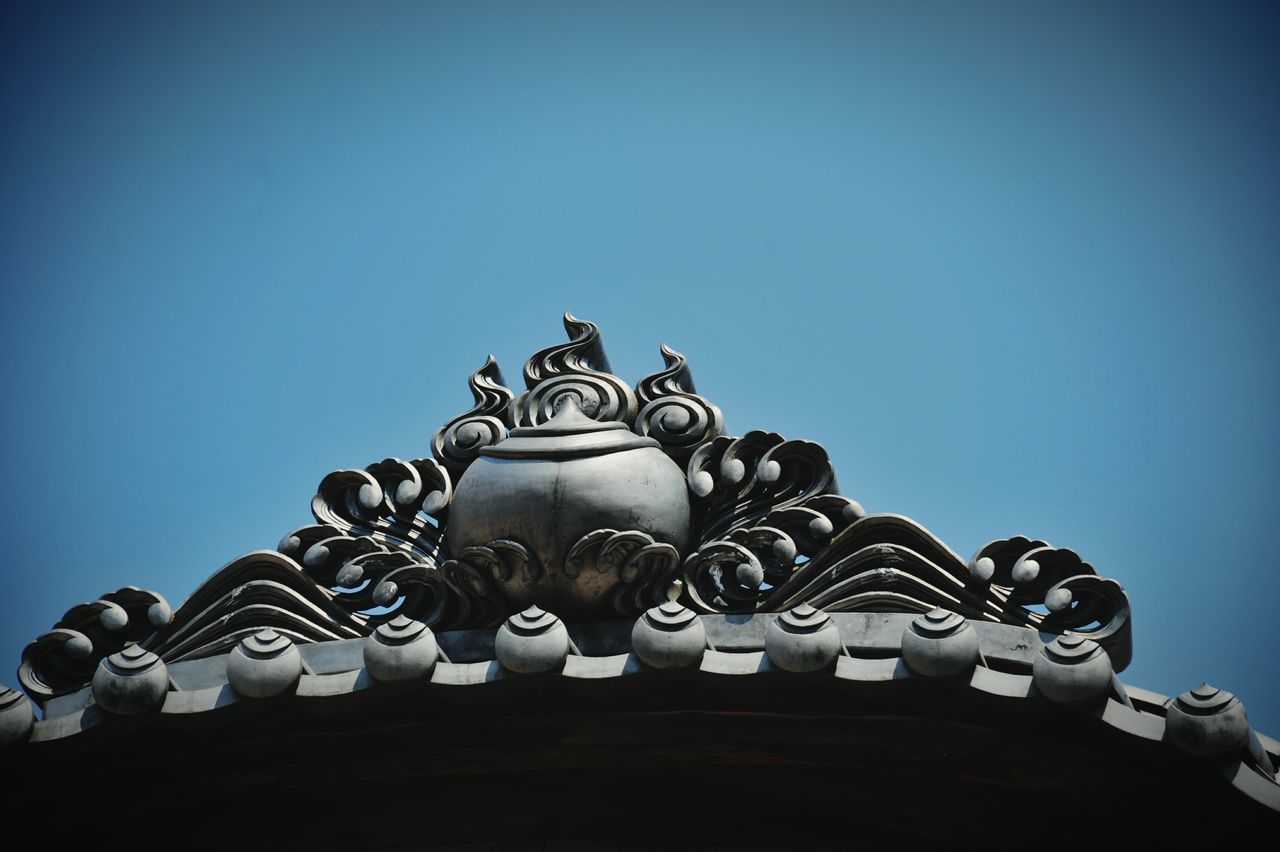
(66, 656)
(374, 554)
(402, 503)
(890, 563)
(672, 412)
(479, 574)
(259, 590)
(584, 353)
(362, 574)
(766, 531)
(1096, 608)
(579, 369)
(643, 567)
(737, 481)
(458, 443)
(430, 594)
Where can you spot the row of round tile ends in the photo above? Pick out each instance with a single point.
(1206, 722)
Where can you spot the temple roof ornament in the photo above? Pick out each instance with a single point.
(581, 499)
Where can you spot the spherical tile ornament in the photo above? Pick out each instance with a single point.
(16, 717)
(130, 681)
(1072, 668)
(669, 636)
(802, 640)
(1207, 722)
(264, 664)
(532, 642)
(940, 644)
(401, 649)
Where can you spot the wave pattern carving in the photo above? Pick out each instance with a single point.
(673, 413)
(769, 531)
(579, 369)
(890, 563)
(458, 443)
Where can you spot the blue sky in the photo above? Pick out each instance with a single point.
(1015, 266)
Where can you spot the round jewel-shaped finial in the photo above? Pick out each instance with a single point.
(802, 640)
(669, 636)
(532, 642)
(939, 644)
(130, 681)
(1207, 722)
(401, 649)
(264, 665)
(16, 717)
(1072, 669)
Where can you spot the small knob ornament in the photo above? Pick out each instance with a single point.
(802, 640)
(130, 681)
(264, 665)
(532, 642)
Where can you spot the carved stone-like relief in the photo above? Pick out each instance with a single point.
(592, 499)
(673, 413)
(578, 369)
(457, 444)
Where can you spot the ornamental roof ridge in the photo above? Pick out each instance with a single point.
(518, 507)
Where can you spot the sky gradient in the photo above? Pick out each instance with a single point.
(1015, 266)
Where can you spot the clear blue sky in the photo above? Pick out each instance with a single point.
(1015, 265)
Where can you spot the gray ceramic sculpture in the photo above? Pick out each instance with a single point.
(549, 488)
(264, 665)
(130, 681)
(1072, 668)
(580, 544)
(669, 636)
(1207, 722)
(532, 642)
(401, 649)
(940, 644)
(16, 717)
(802, 640)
